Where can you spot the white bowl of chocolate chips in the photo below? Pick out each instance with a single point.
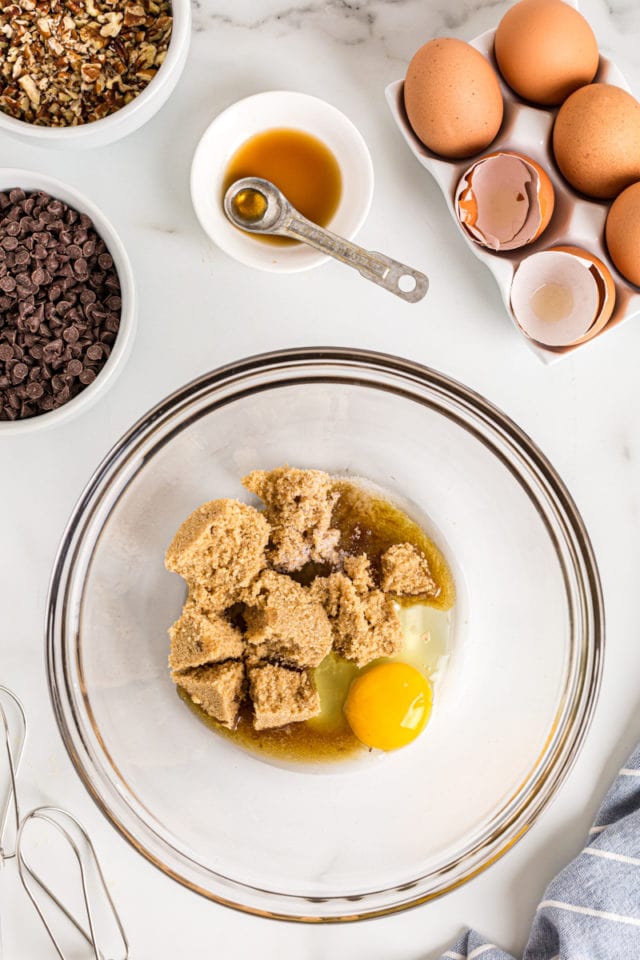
(67, 302)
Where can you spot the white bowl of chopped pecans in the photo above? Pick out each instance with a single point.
(88, 72)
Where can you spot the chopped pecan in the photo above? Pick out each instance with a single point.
(29, 87)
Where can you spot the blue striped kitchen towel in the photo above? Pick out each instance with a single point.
(591, 911)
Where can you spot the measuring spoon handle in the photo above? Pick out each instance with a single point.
(377, 267)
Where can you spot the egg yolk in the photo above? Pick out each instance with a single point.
(388, 705)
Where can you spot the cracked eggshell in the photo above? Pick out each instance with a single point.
(504, 201)
(563, 296)
(452, 98)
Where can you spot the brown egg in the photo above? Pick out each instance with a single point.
(452, 97)
(623, 233)
(545, 50)
(596, 140)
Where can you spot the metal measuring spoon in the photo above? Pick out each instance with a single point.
(258, 206)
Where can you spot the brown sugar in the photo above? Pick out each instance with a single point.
(365, 624)
(219, 550)
(325, 567)
(219, 689)
(406, 573)
(286, 622)
(197, 640)
(298, 506)
(358, 569)
(281, 696)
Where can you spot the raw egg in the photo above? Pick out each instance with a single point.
(562, 296)
(545, 50)
(504, 201)
(596, 140)
(452, 97)
(388, 705)
(623, 233)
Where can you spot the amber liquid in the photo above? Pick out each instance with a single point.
(299, 164)
(368, 524)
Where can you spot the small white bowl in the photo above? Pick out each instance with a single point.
(29, 181)
(265, 111)
(129, 118)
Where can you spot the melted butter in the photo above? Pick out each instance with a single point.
(370, 524)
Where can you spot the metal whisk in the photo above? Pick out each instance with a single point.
(13, 730)
(95, 894)
(100, 917)
(13, 727)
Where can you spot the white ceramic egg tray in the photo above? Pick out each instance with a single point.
(575, 221)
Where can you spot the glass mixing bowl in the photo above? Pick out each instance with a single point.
(363, 840)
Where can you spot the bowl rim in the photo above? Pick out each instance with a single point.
(517, 821)
(30, 180)
(73, 136)
(248, 250)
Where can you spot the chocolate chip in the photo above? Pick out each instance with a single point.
(87, 296)
(53, 349)
(94, 352)
(81, 269)
(35, 390)
(71, 334)
(19, 372)
(39, 277)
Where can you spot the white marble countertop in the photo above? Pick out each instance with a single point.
(199, 310)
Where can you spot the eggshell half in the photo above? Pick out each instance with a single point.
(504, 201)
(562, 296)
